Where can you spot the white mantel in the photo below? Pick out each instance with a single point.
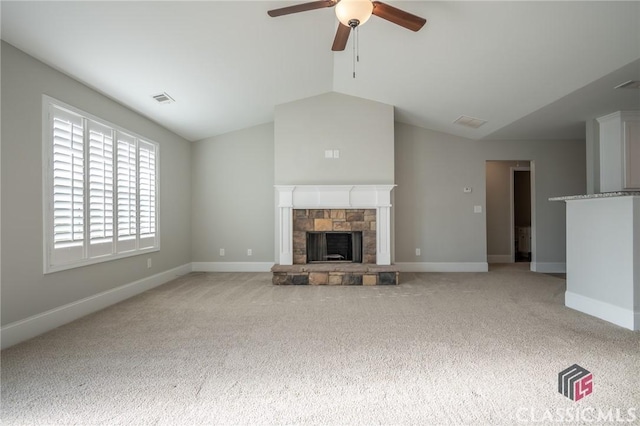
(335, 197)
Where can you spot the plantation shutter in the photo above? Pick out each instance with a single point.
(67, 200)
(127, 192)
(147, 193)
(100, 189)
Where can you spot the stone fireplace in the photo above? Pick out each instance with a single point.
(348, 227)
(326, 230)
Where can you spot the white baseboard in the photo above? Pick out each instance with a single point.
(35, 325)
(442, 266)
(231, 266)
(499, 258)
(549, 267)
(626, 318)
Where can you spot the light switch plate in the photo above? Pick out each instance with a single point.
(477, 209)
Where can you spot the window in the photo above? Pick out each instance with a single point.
(100, 190)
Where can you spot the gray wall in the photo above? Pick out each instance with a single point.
(26, 291)
(432, 211)
(361, 129)
(233, 203)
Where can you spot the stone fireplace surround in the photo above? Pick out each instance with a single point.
(338, 220)
(327, 200)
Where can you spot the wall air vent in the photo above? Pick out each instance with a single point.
(631, 84)
(163, 98)
(472, 122)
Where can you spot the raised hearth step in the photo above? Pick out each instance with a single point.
(335, 274)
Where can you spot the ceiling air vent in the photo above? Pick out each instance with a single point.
(474, 123)
(163, 98)
(631, 84)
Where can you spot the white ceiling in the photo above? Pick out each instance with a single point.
(532, 69)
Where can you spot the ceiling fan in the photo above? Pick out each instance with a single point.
(352, 13)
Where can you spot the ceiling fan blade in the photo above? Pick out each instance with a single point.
(397, 16)
(342, 35)
(303, 7)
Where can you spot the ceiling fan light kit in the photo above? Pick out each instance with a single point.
(354, 12)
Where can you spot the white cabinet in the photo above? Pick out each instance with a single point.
(620, 151)
(632, 153)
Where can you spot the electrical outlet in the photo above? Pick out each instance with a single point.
(336, 153)
(328, 153)
(249, 252)
(417, 252)
(221, 252)
(149, 263)
(477, 209)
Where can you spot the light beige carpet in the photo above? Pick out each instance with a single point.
(230, 348)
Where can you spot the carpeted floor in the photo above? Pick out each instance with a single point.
(230, 348)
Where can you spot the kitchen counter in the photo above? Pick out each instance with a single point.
(592, 196)
(603, 256)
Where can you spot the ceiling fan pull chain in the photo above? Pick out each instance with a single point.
(353, 30)
(358, 43)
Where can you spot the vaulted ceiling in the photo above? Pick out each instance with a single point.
(531, 69)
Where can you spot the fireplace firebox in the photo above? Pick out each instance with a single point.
(334, 246)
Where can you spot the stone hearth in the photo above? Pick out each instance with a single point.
(335, 274)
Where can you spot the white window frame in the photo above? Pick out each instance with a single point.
(117, 250)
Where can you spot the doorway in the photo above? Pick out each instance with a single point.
(510, 218)
(521, 213)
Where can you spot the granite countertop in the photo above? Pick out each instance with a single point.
(601, 195)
